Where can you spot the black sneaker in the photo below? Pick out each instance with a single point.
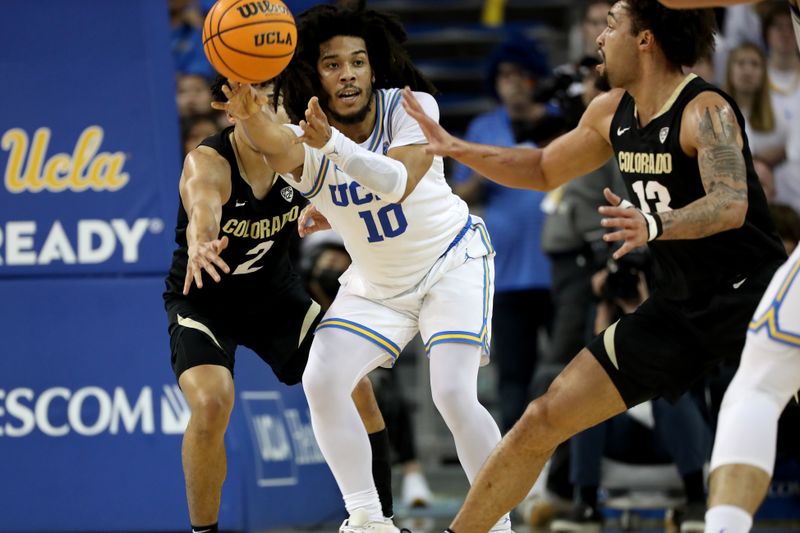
(689, 518)
(581, 518)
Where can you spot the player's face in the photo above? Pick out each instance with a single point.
(618, 47)
(346, 77)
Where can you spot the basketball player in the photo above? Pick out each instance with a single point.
(420, 261)
(682, 151)
(235, 222)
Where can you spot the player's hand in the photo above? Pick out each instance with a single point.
(244, 100)
(439, 141)
(311, 221)
(316, 129)
(205, 256)
(633, 227)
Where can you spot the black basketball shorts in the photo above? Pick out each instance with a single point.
(665, 346)
(280, 332)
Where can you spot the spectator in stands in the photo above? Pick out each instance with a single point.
(787, 223)
(747, 82)
(783, 61)
(522, 306)
(186, 22)
(193, 95)
(195, 128)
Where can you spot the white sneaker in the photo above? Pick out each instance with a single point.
(359, 523)
(416, 492)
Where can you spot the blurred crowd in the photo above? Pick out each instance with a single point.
(556, 284)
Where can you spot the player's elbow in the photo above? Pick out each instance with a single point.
(735, 214)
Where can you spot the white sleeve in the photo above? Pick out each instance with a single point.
(404, 129)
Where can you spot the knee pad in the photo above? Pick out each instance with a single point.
(747, 431)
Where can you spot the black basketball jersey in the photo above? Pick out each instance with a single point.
(259, 233)
(660, 177)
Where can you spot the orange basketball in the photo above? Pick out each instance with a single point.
(249, 41)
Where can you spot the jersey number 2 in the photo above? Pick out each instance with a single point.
(391, 219)
(258, 251)
(652, 190)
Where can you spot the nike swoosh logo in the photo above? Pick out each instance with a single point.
(200, 530)
(238, 204)
(739, 283)
(620, 131)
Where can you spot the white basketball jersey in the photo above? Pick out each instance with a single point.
(392, 245)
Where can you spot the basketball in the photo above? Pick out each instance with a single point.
(249, 41)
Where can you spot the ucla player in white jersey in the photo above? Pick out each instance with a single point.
(420, 261)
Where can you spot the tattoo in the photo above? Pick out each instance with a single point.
(724, 177)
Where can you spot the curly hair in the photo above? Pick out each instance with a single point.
(383, 35)
(684, 35)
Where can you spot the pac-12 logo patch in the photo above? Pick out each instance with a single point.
(287, 193)
(662, 135)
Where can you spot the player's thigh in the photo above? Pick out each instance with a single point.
(458, 307)
(386, 328)
(197, 339)
(650, 352)
(768, 366)
(281, 335)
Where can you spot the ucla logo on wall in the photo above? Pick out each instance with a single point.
(30, 169)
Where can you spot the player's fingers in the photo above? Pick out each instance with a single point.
(624, 249)
(315, 108)
(209, 267)
(220, 262)
(612, 198)
(198, 277)
(187, 280)
(620, 222)
(219, 106)
(222, 243)
(614, 236)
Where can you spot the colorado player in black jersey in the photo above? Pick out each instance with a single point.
(681, 148)
(235, 221)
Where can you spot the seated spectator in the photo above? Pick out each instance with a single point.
(748, 84)
(186, 23)
(193, 96)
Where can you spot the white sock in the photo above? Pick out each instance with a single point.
(728, 518)
(366, 500)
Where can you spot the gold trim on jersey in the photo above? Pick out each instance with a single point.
(671, 100)
(199, 326)
(311, 314)
(608, 342)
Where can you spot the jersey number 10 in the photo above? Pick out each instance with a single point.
(391, 219)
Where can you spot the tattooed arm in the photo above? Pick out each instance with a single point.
(710, 132)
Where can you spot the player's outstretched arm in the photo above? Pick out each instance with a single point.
(277, 142)
(205, 185)
(385, 176)
(574, 154)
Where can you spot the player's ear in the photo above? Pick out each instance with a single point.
(645, 38)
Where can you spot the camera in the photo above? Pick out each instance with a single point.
(624, 273)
